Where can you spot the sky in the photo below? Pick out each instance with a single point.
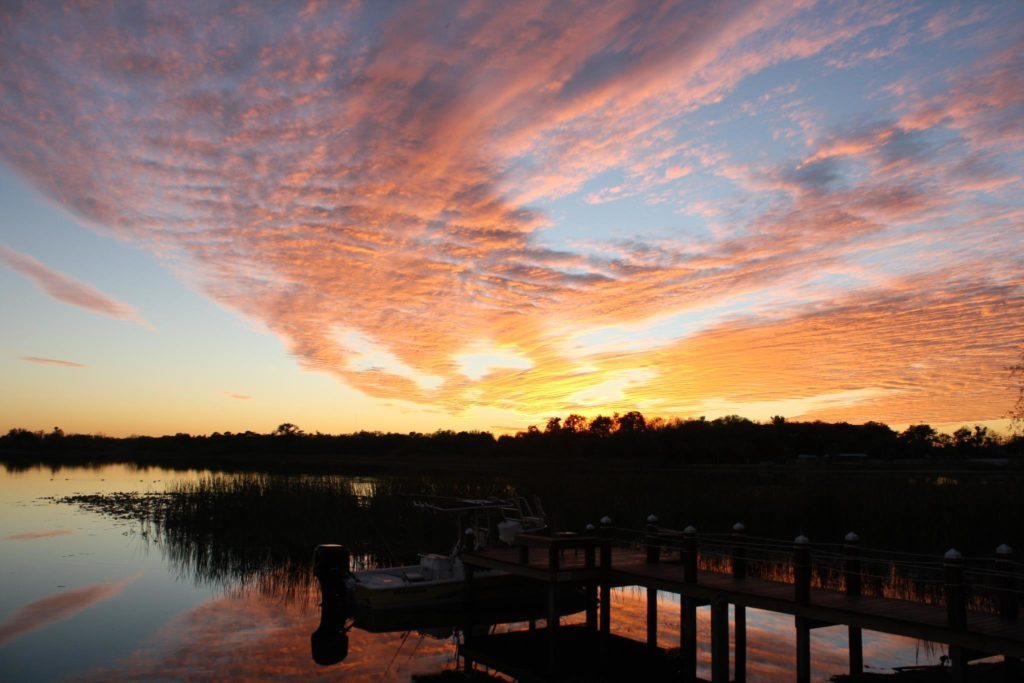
(221, 216)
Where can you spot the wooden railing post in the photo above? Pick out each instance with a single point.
(739, 551)
(851, 576)
(851, 563)
(802, 569)
(689, 554)
(651, 542)
(956, 608)
(739, 571)
(1008, 601)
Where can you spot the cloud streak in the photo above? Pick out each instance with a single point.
(55, 362)
(392, 190)
(66, 289)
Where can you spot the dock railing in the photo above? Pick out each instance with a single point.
(989, 584)
(844, 583)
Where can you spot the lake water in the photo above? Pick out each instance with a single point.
(87, 597)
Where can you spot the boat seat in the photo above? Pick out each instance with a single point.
(414, 576)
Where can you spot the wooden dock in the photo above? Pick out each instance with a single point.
(671, 561)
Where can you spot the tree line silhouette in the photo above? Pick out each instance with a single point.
(730, 440)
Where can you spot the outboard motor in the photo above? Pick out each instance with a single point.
(469, 539)
(330, 640)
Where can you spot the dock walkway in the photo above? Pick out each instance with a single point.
(671, 561)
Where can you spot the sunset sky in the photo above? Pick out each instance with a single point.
(411, 216)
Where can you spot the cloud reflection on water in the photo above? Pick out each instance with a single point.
(255, 636)
(42, 533)
(45, 611)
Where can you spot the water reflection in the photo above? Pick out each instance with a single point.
(45, 611)
(771, 648)
(250, 635)
(41, 533)
(253, 636)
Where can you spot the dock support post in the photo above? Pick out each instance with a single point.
(591, 587)
(688, 638)
(652, 617)
(1008, 603)
(739, 571)
(956, 608)
(467, 627)
(720, 639)
(688, 608)
(803, 651)
(802, 595)
(605, 626)
(329, 643)
(653, 557)
(553, 619)
(851, 575)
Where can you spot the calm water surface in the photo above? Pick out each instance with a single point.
(87, 597)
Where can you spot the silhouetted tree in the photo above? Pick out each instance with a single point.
(918, 440)
(575, 423)
(966, 440)
(630, 423)
(285, 429)
(554, 425)
(601, 426)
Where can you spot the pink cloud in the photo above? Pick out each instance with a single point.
(39, 360)
(66, 289)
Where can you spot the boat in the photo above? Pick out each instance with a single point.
(432, 592)
(431, 596)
